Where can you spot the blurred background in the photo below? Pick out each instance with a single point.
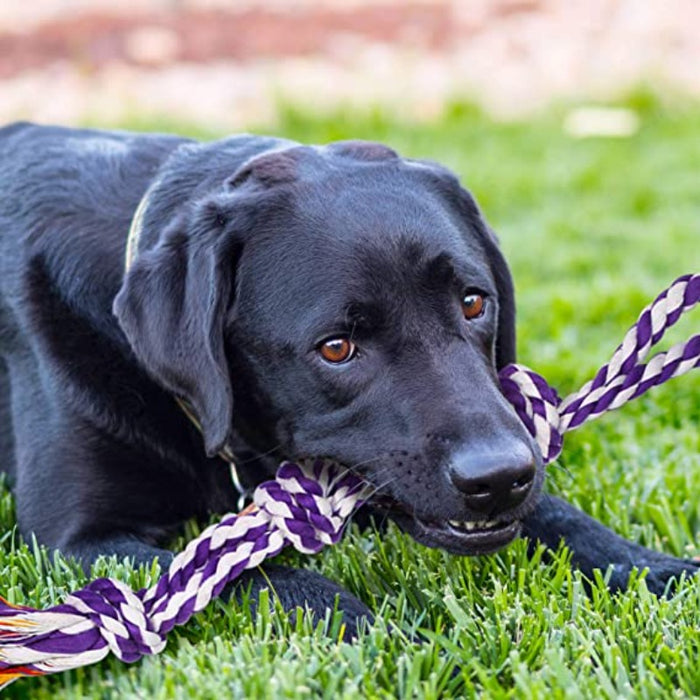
(228, 64)
(575, 124)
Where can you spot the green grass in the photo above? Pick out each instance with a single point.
(593, 229)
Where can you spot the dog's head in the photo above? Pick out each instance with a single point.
(357, 307)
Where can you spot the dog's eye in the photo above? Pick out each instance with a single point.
(337, 350)
(472, 305)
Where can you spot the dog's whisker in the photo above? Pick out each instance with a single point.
(377, 488)
(561, 468)
(272, 450)
(351, 470)
(372, 484)
(367, 498)
(384, 513)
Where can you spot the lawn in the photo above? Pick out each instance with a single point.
(593, 230)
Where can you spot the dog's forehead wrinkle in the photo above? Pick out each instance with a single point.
(369, 193)
(420, 265)
(384, 207)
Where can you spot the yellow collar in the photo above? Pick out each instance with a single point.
(134, 235)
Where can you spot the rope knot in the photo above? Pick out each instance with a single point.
(119, 616)
(537, 404)
(309, 502)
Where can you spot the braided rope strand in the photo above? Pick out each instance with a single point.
(625, 377)
(306, 506)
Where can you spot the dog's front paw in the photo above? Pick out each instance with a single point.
(665, 572)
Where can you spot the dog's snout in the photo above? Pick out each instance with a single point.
(493, 482)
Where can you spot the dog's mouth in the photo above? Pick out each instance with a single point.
(458, 537)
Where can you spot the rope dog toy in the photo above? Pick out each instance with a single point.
(306, 506)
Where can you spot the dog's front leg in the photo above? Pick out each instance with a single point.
(87, 550)
(298, 588)
(594, 546)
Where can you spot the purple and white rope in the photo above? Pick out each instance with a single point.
(306, 506)
(624, 378)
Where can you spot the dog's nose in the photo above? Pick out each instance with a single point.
(493, 482)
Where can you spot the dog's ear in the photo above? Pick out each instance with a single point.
(172, 307)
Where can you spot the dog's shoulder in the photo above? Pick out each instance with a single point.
(55, 178)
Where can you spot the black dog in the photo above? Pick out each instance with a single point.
(333, 301)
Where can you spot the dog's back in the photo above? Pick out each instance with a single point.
(56, 179)
(57, 184)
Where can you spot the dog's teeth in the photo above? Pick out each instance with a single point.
(473, 525)
(486, 523)
(459, 525)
